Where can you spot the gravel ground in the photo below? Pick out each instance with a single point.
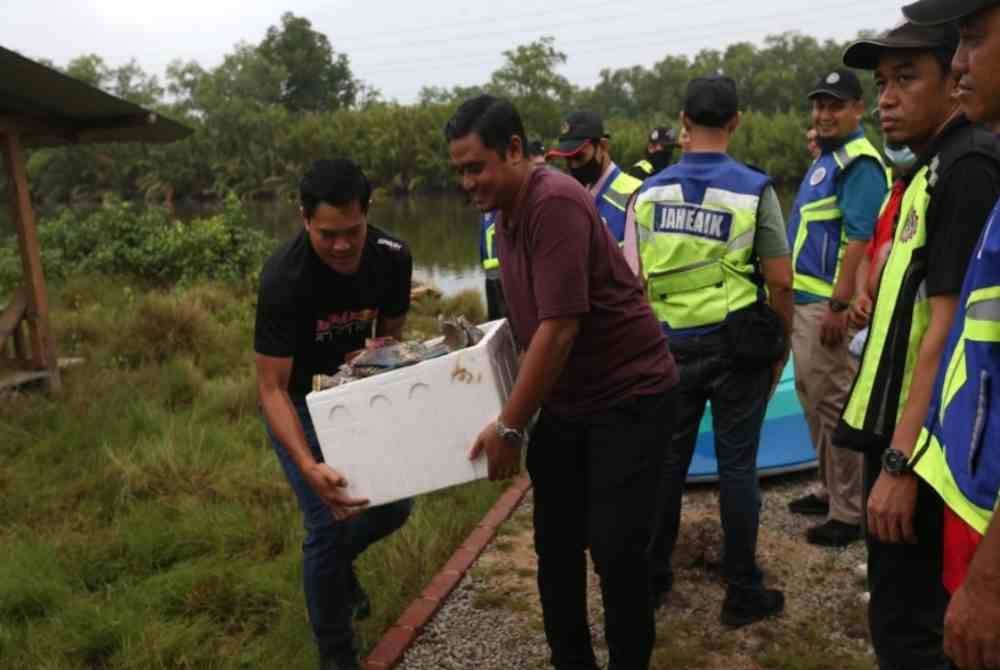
(493, 619)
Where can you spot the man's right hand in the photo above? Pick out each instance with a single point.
(330, 486)
(860, 311)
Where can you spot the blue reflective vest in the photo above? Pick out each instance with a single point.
(487, 252)
(816, 230)
(696, 223)
(612, 201)
(958, 452)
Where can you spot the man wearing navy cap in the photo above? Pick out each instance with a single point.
(584, 145)
(959, 451)
(938, 218)
(831, 222)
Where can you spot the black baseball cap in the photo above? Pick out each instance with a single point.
(663, 135)
(578, 129)
(927, 12)
(840, 83)
(864, 54)
(711, 101)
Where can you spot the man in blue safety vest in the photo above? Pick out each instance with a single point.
(831, 222)
(710, 236)
(939, 216)
(584, 145)
(959, 451)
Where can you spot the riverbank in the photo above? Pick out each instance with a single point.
(145, 519)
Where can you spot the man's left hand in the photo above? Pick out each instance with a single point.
(891, 506)
(503, 459)
(972, 628)
(833, 328)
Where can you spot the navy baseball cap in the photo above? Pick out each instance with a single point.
(865, 54)
(840, 83)
(944, 11)
(578, 129)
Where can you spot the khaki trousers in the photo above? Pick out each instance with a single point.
(823, 379)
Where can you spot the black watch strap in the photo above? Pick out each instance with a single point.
(837, 306)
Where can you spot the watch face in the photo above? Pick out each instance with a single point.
(894, 461)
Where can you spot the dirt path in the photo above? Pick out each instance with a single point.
(493, 619)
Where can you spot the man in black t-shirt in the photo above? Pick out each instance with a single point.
(338, 282)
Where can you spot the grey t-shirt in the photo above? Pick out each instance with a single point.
(771, 239)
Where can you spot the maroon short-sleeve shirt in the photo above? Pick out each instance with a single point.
(557, 259)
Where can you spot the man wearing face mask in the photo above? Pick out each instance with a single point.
(659, 153)
(949, 193)
(584, 145)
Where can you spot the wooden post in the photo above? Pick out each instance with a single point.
(43, 349)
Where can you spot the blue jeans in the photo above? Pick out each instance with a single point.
(739, 402)
(331, 546)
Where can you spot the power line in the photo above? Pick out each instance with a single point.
(412, 64)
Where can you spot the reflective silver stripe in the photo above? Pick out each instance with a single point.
(742, 242)
(826, 206)
(619, 200)
(686, 268)
(668, 193)
(716, 197)
(980, 425)
(843, 157)
(922, 292)
(645, 234)
(985, 310)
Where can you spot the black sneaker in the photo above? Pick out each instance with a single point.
(744, 606)
(833, 533)
(361, 605)
(811, 504)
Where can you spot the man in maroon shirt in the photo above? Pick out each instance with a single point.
(596, 364)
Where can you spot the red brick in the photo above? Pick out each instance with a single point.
(461, 560)
(495, 516)
(478, 538)
(441, 585)
(418, 614)
(391, 647)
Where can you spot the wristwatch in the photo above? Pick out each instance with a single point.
(896, 463)
(836, 306)
(511, 436)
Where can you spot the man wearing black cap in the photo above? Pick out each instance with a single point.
(832, 220)
(584, 145)
(950, 192)
(959, 451)
(659, 153)
(710, 236)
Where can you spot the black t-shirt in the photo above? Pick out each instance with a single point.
(310, 313)
(957, 213)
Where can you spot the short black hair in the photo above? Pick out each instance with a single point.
(495, 120)
(944, 55)
(336, 182)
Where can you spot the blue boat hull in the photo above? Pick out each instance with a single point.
(785, 444)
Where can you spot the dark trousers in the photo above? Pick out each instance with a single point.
(595, 481)
(908, 598)
(496, 305)
(330, 547)
(739, 402)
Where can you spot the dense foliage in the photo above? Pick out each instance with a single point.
(124, 240)
(271, 108)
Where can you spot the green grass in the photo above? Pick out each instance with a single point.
(144, 520)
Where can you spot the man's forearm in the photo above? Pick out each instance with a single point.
(925, 371)
(284, 422)
(984, 572)
(845, 289)
(541, 366)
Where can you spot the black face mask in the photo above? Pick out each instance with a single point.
(661, 159)
(588, 173)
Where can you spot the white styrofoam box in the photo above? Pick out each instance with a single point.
(409, 431)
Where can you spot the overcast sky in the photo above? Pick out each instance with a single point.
(397, 47)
